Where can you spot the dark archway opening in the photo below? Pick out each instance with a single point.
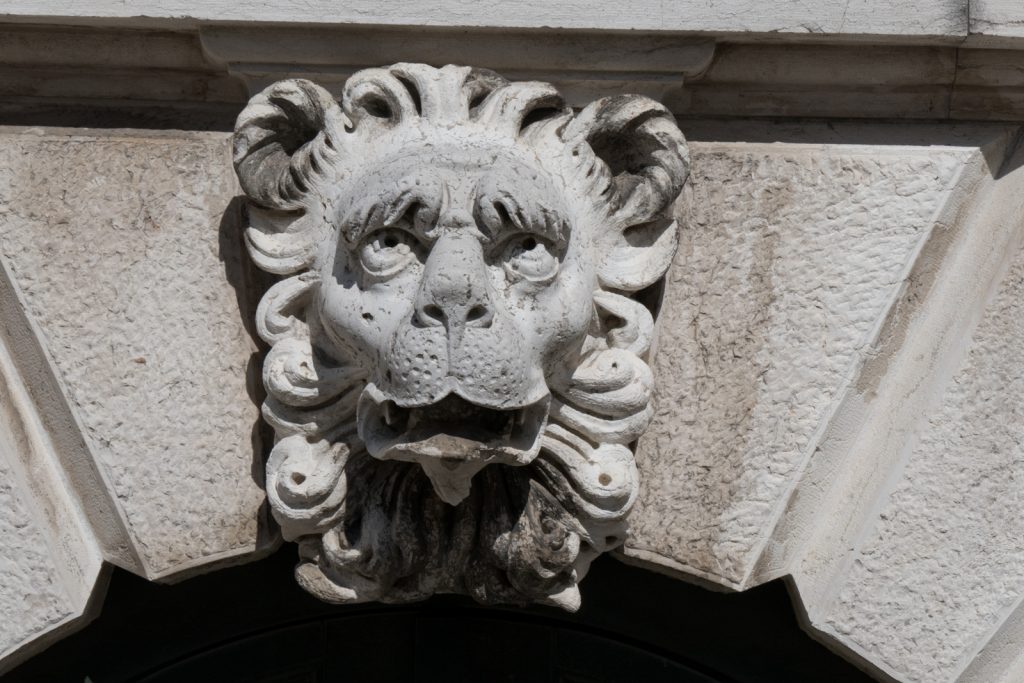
(252, 623)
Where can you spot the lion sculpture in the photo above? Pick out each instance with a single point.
(457, 368)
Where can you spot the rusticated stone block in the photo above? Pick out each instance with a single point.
(127, 256)
(33, 598)
(789, 259)
(943, 563)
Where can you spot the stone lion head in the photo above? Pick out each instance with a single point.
(457, 368)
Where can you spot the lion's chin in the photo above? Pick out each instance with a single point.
(451, 439)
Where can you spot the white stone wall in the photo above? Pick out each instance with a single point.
(807, 274)
(945, 18)
(838, 356)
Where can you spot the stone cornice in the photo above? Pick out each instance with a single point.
(206, 73)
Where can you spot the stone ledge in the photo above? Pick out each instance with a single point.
(207, 72)
(935, 20)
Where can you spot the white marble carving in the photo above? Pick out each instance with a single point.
(457, 369)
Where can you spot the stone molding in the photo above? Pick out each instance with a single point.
(951, 21)
(615, 63)
(200, 76)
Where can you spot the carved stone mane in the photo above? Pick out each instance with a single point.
(457, 369)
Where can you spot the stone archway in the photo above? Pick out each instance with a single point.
(251, 624)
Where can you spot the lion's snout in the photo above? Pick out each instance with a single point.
(454, 291)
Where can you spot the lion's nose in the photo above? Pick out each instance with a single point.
(433, 315)
(454, 292)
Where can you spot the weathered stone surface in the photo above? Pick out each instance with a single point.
(789, 260)
(989, 85)
(616, 63)
(934, 18)
(125, 252)
(793, 256)
(207, 72)
(50, 560)
(834, 510)
(33, 596)
(457, 369)
(997, 18)
(822, 79)
(944, 561)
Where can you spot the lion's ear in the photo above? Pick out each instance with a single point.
(646, 162)
(285, 138)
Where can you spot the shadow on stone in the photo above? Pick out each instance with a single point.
(249, 284)
(254, 623)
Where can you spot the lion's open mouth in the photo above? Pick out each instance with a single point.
(451, 439)
(452, 429)
(456, 417)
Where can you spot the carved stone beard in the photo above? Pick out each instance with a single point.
(374, 529)
(517, 538)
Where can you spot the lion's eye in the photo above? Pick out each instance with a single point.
(530, 257)
(387, 251)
